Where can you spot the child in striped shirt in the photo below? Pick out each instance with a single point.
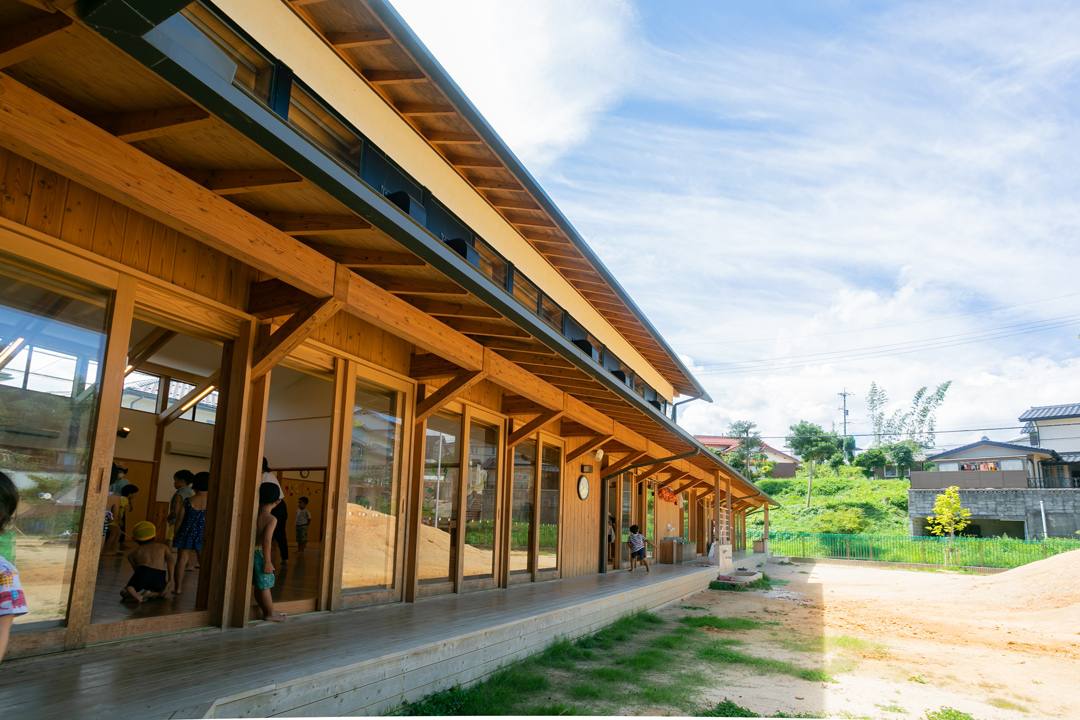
(636, 541)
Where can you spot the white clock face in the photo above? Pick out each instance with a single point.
(583, 487)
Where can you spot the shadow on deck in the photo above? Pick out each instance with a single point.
(363, 662)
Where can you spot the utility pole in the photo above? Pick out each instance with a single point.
(844, 396)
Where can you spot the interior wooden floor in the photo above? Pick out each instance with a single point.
(298, 579)
(358, 661)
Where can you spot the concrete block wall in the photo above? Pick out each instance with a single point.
(1062, 507)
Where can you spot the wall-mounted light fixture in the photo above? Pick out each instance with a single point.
(586, 468)
(123, 432)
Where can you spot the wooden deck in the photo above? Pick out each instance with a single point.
(362, 662)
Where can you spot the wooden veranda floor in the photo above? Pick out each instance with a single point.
(364, 661)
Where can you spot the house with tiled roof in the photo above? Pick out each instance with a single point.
(786, 465)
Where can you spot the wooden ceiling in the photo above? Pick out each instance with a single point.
(356, 33)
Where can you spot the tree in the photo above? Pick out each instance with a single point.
(811, 443)
(916, 425)
(747, 454)
(949, 517)
(872, 458)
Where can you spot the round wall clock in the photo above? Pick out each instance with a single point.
(583, 487)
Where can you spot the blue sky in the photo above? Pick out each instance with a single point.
(806, 181)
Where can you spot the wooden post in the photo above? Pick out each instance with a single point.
(414, 515)
(727, 510)
(88, 550)
(506, 508)
(534, 526)
(247, 507)
(337, 485)
(765, 534)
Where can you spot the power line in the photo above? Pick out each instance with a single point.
(881, 327)
(936, 432)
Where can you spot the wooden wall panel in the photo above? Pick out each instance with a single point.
(365, 341)
(580, 532)
(484, 393)
(40, 199)
(666, 514)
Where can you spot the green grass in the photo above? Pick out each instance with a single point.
(892, 709)
(668, 642)
(720, 652)
(847, 642)
(562, 654)
(691, 607)
(728, 623)
(1006, 704)
(947, 713)
(499, 695)
(642, 660)
(728, 709)
(759, 584)
(556, 709)
(620, 631)
(613, 674)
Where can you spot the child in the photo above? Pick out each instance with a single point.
(182, 480)
(190, 523)
(152, 563)
(112, 524)
(636, 541)
(262, 569)
(12, 598)
(303, 519)
(126, 505)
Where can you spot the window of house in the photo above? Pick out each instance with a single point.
(550, 483)
(1012, 464)
(551, 313)
(948, 467)
(141, 392)
(204, 411)
(890, 471)
(491, 264)
(526, 293)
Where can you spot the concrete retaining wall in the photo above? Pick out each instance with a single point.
(1021, 505)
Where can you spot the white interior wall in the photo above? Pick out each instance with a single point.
(298, 420)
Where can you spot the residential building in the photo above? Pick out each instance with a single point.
(785, 467)
(1056, 427)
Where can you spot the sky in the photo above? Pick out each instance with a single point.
(805, 198)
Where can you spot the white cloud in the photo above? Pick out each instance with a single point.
(540, 72)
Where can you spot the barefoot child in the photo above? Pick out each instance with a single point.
(112, 525)
(12, 598)
(303, 519)
(152, 563)
(262, 570)
(190, 523)
(636, 541)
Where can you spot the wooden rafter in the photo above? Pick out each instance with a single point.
(420, 109)
(452, 309)
(511, 344)
(675, 477)
(517, 405)
(353, 257)
(197, 393)
(528, 220)
(536, 358)
(148, 124)
(344, 40)
(312, 223)
(461, 161)
(147, 347)
(455, 387)
(619, 465)
(427, 366)
(588, 447)
(537, 423)
(452, 138)
(481, 327)
(393, 77)
(512, 203)
(232, 182)
(415, 286)
(28, 39)
(493, 184)
(274, 298)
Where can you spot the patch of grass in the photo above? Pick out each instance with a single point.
(917, 678)
(647, 659)
(785, 562)
(797, 644)
(554, 709)
(728, 587)
(1006, 704)
(671, 694)
(803, 572)
(591, 691)
(620, 631)
(691, 607)
(720, 652)
(562, 654)
(892, 709)
(728, 709)
(728, 623)
(613, 674)
(668, 642)
(947, 713)
(498, 695)
(847, 642)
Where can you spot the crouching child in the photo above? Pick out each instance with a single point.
(152, 563)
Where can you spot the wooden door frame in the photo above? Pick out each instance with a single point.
(548, 438)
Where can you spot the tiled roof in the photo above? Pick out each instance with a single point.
(1008, 446)
(1047, 412)
(722, 442)
(1070, 457)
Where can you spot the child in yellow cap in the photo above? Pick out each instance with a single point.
(152, 563)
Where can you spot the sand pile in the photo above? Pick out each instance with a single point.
(1042, 585)
(369, 556)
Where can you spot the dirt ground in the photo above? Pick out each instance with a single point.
(904, 642)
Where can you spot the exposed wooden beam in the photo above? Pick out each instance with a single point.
(547, 370)
(508, 375)
(618, 466)
(537, 423)
(544, 236)
(656, 469)
(459, 384)
(427, 366)
(148, 124)
(536, 358)
(353, 257)
(454, 138)
(232, 182)
(493, 184)
(588, 416)
(147, 347)
(461, 161)
(185, 403)
(421, 109)
(513, 203)
(26, 40)
(274, 298)
(510, 344)
(481, 327)
(312, 223)
(517, 405)
(518, 219)
(415, 286)
(290, 335)
(590, 446)
(344, 40)
(393, 77)
(451, 309)
(675, 477)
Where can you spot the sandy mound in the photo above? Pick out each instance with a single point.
(369, 556)
(1050, 583)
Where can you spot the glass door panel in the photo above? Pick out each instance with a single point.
(521, 506)
(550, 483)
(438, 531)
(481, 495)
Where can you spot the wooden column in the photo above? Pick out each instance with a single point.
(534, 526)
(247, 507)
(718, 518)
(88, 550)
(226, 473)
(337, 485)
(765, 535)
(727, 512)
(414, 513)
(506, 508)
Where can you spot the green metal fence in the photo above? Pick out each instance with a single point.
(970, 552)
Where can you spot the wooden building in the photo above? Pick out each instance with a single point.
(276, 229)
